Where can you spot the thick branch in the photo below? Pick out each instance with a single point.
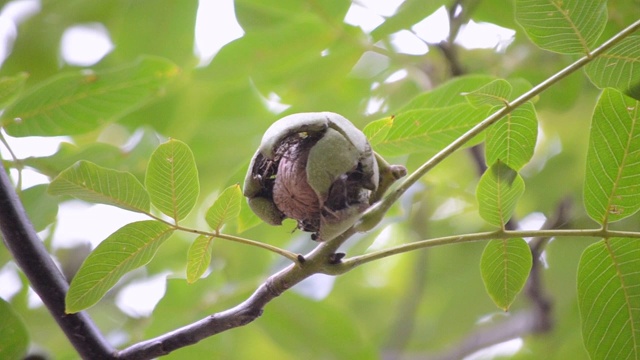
(240, 315)
(45, 278)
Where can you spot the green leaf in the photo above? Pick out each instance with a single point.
(78, 102)
(408, 14)
(14, 336)
(563, 26)
(498, 192)
(68, 154)
(199, 257)
(132, 159)
(619, 67)
(428, 130)
(449, 93)
(505, 267)
(494, 93)
(256, 15)
(258, 53)
(40, 206)
(225, 208)
(609, 298)
(11, 87)
(172, 179)
(90, 182)
(612, 184)
(377, 130)
(171, 21)
(512, 139)
(129, 248)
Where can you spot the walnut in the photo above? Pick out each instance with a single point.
(318, 169)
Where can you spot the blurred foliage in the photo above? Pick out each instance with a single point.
(305, 55)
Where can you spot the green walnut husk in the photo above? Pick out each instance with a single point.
(316, 168)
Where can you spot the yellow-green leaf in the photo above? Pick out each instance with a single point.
(505, 267)
(11, 87)
(172, 179)
(225, 208)
(494, 93)
(619, 67)
(377, 130)
(512, 139)
(498, 192)
(428, 130)
(128, 248)
(612, 184)
(90, 182)
(14, 336)
(609, 298)
(564, 26)
(81, 101)
(199, 257)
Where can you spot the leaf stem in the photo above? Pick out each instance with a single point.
(282, 252)
(356, 261)
(376, 212)
(288, 254)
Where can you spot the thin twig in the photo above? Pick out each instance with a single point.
(356, 261)
(376, 212)
(237, 239)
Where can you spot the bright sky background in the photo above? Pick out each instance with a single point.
(216, 25)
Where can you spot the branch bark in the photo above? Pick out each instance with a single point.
(240, 315)
(46, 279)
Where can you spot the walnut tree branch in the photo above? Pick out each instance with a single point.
(44, 276)
(246, 312)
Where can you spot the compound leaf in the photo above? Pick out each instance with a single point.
(498, 192)
(199, 257)
(563, 26)
(612, 184)
(78, 102)
(225, 208)
(13, 332)
(619, 67)
(512, 139)
(609, 298)
(428, 130)
(172, 179)
(494, 93)
(90, 182)
(505, 267)
(11, 87)
(128, 248)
